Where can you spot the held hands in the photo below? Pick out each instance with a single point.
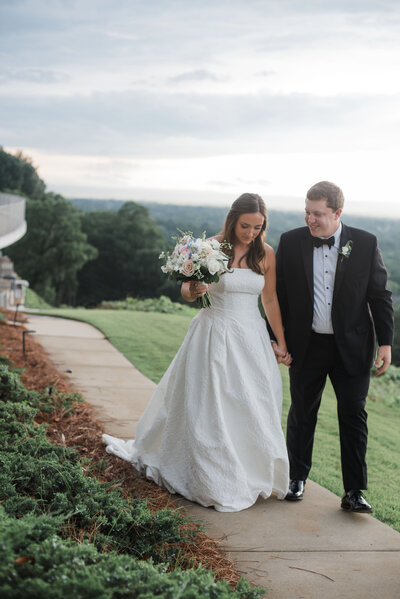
(282, 355)
(383, 359)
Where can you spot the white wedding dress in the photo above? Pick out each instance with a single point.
(212, 429)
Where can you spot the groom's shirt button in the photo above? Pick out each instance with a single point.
(324, 268)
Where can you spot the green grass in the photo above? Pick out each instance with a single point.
(150, 341)
(33, 300)
(382, 453)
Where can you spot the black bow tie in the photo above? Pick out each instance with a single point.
(317, 242)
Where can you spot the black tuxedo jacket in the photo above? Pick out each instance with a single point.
(362, 304)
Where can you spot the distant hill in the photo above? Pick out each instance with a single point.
(197, 219)
(92, 205)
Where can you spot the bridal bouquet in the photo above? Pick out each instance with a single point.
(196, 259)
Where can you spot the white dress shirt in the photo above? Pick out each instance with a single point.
(324, 264)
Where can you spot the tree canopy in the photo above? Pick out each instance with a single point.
(17, 173)
(128, 243)
(53, 250)
(54, 247)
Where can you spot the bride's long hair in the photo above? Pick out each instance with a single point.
(245, 204)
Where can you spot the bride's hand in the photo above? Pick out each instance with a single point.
(197, 289)
(281, 354)
(286, 359)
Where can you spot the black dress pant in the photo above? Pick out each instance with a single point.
(306, 387)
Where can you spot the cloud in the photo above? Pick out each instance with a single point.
(38, 76)
(141, 123)
(168, 79)
(171, 41)
(265, 73)
(197, 75)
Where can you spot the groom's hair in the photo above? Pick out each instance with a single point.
(324, 190)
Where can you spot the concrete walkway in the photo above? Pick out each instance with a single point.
(306, 550)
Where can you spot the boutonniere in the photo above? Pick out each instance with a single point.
(345, 250)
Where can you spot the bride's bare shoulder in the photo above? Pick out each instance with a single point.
(269, 257)
(269, 250)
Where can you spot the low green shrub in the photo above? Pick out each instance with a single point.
(35, 562)
(160, 304)
(33, 300)
(39, 477)
(12, 390)
(47, 504)
(4, 361)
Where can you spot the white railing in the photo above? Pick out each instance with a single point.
(12, 219)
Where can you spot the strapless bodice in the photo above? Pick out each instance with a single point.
(237, 291)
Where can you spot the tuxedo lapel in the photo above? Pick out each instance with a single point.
(341, 262)
(307, 253)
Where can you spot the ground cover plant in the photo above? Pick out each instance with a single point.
(58, 520)
(150, 341)
(33, 300)
(161, 304)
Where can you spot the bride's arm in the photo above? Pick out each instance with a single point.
(270, 304)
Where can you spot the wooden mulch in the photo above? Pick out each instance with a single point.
(80, 430)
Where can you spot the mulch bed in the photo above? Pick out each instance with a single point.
(80, 430)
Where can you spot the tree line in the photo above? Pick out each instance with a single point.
(77, 258)
(171, 217)
(81, 252)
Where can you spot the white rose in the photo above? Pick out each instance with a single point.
(215, 244)
(206, 250)
(213, 265)
(187, 268)
(169, 267)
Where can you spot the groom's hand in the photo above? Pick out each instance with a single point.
(282, 357)
(383, 359)
(286, 359)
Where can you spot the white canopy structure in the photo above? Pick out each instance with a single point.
(12, 228)
(12, 219)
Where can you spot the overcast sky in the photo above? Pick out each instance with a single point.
(198, 101)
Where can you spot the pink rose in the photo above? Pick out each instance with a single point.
(187, 268)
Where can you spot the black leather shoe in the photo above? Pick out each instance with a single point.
(296, 490)
(353, 501)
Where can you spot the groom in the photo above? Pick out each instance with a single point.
(331, 284)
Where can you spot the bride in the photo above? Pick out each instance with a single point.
(212, 429)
